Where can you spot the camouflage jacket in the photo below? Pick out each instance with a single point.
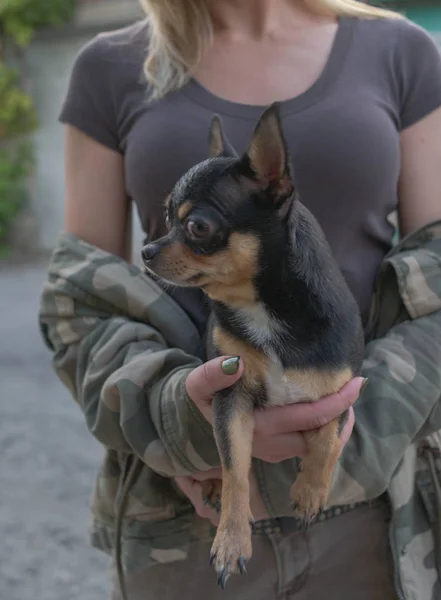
(124, 348)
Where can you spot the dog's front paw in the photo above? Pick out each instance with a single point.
(231, 550)
(308, 501)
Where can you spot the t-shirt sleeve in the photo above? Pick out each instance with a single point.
(419, 73)
(89, 104)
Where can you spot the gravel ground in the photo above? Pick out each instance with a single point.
(47, 466)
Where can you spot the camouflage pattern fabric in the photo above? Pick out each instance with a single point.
(124, 348)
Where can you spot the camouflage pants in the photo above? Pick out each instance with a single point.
(344, 558)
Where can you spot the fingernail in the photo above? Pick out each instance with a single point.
(364, 384)
(230, 366)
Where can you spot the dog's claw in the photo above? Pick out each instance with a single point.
(252, 524)
(305, 522)
(242, 567)
(223, 577)
(212, 558)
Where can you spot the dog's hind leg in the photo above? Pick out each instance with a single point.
(233, 428)
(310, 490)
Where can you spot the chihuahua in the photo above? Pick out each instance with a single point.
(238, 231)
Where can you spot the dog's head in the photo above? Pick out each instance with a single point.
(221, 209)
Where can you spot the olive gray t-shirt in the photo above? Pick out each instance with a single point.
(343, 133)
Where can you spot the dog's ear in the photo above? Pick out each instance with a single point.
(218, 143)
(267, 158)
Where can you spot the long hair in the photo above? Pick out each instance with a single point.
(180, 30)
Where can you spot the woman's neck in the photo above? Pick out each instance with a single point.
(258, 19)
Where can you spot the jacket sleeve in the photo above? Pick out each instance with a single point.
(401, 403)
(127, 378)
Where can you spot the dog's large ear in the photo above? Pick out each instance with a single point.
(267, 158)
(218, 143)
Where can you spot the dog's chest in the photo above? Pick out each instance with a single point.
(269, 334)
(281, 388)
(261, 328)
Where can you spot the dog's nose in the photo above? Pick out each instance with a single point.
(149, 252)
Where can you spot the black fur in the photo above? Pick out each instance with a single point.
(301, 285)
(298, 281)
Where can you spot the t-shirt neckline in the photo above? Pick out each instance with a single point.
(333, 66)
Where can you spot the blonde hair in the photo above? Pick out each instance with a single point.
(179, 31)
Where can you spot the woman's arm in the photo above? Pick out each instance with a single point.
(96, 208)
(420, 180)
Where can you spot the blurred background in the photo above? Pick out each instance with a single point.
(48, 459)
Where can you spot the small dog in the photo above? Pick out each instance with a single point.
(238, 231)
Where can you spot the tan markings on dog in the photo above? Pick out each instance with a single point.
(226, 276)
(256, 364)
(233, 536)
(232, 270)
(174, 263)
(241, 294)
(315, 383)
(311, 488)
(184, 210)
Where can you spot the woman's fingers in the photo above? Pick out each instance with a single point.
(193, 490)
(306, 415)
(347, 429)
(215, 473)
(283, 446)
(222, 372)
(211, 377)
(280, 447)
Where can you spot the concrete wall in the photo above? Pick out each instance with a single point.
(48, 63)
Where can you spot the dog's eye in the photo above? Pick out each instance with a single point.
(198, 229)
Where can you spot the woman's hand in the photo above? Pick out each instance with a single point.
(278, 430)
(192, 488)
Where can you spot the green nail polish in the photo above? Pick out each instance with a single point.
(230, 366)
(364, 384)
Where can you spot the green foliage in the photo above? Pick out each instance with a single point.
(15, 166)
(19, 19)
(17, 114)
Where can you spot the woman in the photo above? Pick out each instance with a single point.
(360, 90)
